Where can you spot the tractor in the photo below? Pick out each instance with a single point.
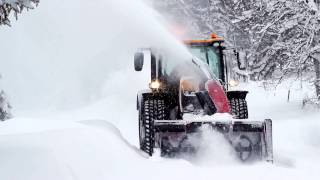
(185, 95)
(213, 52)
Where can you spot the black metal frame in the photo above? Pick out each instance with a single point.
(223, 127)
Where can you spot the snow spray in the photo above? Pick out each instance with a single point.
(212, 149)
(59, 55)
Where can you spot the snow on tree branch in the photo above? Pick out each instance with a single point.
(5, 107)
(281, 37)
(14, 6)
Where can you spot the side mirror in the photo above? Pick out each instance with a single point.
(240, 61)
(138, 61)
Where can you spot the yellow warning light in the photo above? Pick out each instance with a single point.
(214, 36)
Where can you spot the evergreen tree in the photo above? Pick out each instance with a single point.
(5, 107)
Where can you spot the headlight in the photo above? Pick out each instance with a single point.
(154, 85)
(233, 83)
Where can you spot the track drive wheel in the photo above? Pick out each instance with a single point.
(239, 108)
(150, 109)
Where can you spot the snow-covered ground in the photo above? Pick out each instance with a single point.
(70, 78)
(97, 144)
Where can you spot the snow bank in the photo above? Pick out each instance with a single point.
(46, 150)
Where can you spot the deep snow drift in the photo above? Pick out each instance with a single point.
(67, 67)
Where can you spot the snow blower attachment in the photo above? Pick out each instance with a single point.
(184, 96)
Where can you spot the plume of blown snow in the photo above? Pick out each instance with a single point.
(59, 55)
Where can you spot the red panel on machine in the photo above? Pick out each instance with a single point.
(218, 96)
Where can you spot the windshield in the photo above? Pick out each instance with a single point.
(204, 67)
(210, 56)
(172, 71)
(193, 67)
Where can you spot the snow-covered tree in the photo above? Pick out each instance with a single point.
(204, 17)
(285, 38)
(281, 37)
(8, 7)
(5, 107)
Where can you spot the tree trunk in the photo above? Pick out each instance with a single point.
(316, 64)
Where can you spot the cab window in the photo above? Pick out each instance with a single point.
(208, 55)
